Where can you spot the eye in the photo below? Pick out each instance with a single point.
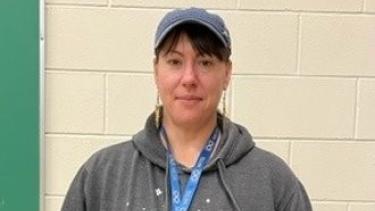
(174, 62)
(207, 62)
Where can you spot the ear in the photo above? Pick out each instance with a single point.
(228, 74)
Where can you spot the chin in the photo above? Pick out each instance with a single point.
(190, 117)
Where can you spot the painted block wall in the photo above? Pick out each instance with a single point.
(303, 84)
(19, 105)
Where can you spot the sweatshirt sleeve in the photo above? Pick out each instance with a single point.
(297, 201)
(75, 197)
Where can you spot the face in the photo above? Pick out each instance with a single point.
(190, 85)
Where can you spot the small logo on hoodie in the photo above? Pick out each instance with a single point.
(158, 192)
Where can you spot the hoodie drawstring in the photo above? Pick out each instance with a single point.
(221, 167)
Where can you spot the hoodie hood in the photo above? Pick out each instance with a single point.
(235, 143)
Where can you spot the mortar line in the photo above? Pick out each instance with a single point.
(364, 5)
(276, 11)
(73, 70)
(238, 4)
(290, 153)
(297, 139)
(343, 201)
(322, 139)
(75, 135)
(349, 207)
(76, 5)
(356, 109)
(97, 71)
(299, 48)
(299, 76)
(105, 112)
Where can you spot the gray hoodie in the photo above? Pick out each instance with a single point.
(133, 176)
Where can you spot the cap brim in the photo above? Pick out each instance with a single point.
(164, 34)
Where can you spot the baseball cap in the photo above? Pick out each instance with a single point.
(192, 15)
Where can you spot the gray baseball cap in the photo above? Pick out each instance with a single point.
(192, 15)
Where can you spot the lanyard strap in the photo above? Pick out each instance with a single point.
(183, 204)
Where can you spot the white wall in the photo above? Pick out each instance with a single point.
(303, 83)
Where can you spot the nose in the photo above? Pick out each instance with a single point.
(189, 77)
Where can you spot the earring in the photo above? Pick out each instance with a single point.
(157, 111)
(224, 103)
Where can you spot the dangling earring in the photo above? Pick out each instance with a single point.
(224, 103)
(157, 111)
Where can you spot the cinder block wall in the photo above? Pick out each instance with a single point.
(303, 83)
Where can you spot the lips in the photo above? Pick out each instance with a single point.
(189, 98)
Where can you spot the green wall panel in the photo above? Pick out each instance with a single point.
(19, 105)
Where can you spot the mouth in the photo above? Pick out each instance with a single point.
(189, 98)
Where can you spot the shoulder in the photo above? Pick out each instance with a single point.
(272, 166)
(287, 189)
(110, 156)
(94, 174)
(268, 169)
(266, 160)
(270, 161)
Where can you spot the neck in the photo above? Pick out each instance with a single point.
(188, 141)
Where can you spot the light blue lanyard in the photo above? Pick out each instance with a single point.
(183, 204)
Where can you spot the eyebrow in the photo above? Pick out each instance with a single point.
(181, 54)
(173, 52)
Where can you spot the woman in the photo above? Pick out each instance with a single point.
(188, 156)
